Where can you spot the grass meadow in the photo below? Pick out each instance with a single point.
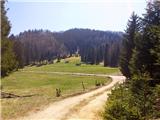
(71, 67)
(42, 86)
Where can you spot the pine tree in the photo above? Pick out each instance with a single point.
(140, 98)
(5, 24)
(146, 54)
(128, 44)
(106, 56)
(8, 62)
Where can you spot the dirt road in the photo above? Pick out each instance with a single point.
(81, 107)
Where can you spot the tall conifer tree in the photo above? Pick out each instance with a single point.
(128, 44)
(8, 61)
(146, 54)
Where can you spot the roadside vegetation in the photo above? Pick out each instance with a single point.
(37, 90)
(139, 97)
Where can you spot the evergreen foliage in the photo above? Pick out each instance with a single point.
(139, 97)
(128, 44)
(132, 101)
(8, 60)
(145, 58)
(39, 45)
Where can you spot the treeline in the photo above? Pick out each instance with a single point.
(139, 97)
(91, 45)
(39, 45)
(36, 46)
(8, 60)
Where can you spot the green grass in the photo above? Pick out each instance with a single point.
(42, 86)
(71, 67)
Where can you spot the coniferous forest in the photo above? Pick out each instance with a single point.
(139, 97)
(39, 45)
(8, 58)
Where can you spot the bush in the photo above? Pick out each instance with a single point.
(135, 100)
(66, 61)
(78, 64)
(97, 83)
(157, 102)
(58, 60)
(118, 107)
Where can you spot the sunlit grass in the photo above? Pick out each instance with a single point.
(71, 67)
(42, 87)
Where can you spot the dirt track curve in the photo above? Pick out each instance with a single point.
(82, 107)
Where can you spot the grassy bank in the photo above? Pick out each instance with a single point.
(71, 67)
(42, 87)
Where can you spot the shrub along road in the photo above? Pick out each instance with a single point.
(85, 106)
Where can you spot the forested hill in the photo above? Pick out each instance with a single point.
(92, 45)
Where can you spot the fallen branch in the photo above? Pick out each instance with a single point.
(10, 95)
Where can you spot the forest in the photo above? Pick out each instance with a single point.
(139, 97)
(39, 45)
(94, 47)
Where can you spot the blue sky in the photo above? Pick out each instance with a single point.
(60, 15)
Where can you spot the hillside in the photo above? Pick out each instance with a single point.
(39, 45)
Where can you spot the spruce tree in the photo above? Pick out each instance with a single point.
(128, 44)
(106, 56)
(146, 53)
(8, 61)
